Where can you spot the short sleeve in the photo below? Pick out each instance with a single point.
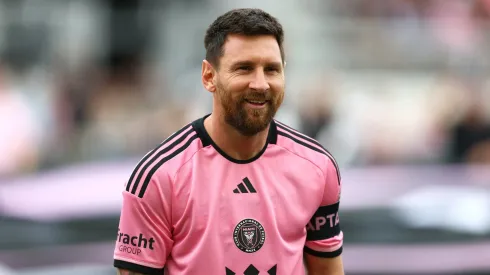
(144, 238)
(324, 237)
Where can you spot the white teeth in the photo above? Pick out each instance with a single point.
(256, 102)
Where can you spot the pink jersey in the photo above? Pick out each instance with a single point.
(190, 209)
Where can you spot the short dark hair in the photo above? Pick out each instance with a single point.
(249, 22)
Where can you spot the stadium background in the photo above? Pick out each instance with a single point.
(397, 90)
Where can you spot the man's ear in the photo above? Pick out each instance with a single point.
(207, 76)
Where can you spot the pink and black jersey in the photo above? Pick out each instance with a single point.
(190, 209)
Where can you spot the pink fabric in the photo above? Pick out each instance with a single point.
(195, 218)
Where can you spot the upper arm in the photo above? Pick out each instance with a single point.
(324, 237)
(144, 238)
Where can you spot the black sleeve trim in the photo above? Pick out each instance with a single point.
(332, 254)
(324, 224)
(138, 268)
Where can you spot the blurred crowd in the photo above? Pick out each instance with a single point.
(400, 81)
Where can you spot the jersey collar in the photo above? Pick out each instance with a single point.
(207, 141)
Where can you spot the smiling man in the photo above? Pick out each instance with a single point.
(235, 192)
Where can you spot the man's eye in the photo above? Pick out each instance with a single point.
(272, 69)
(245, 68)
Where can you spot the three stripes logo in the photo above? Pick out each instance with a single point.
(245, 187)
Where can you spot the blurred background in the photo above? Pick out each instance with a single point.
(397, 90)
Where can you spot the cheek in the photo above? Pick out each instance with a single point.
(279, 99)
(228, 97)
(277, 83)
(235, 93)
(278, 89)
(237, 85)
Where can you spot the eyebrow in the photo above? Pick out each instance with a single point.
(250, 63)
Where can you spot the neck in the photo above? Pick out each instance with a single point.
(233, 143)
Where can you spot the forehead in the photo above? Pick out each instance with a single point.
(260, 48)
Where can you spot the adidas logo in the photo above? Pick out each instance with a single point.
(242, 187)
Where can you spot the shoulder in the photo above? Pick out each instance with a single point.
(166, 158)
(305, 147)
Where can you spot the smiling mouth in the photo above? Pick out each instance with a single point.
(256, 102)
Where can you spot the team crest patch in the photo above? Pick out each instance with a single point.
(249, 235)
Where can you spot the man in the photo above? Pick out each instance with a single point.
(234, 192)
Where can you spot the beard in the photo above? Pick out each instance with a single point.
(248, 121)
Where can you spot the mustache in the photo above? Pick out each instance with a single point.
(257, 96)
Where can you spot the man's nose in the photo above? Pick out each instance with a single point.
(259, 82)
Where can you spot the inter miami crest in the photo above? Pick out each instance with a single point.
(249, 235)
